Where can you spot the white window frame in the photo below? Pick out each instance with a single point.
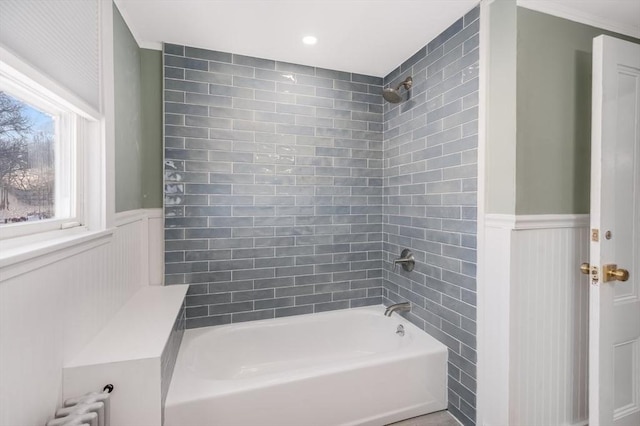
(81, 126)
(23, 254)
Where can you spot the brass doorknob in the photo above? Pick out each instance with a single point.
(612, 273)
(585, 268)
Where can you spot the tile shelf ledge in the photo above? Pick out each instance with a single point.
(136, 352)
(139, 330)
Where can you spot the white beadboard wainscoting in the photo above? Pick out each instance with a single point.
(536, 320)
(48, 314)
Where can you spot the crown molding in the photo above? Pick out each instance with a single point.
(151, 45)
(544, 6)
(562, 11)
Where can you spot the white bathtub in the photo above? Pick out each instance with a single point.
(345, 367)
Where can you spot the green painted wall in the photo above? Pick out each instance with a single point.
(553, 113)
(138, 121)
(500, 153)
(151, 153)
(128, 123)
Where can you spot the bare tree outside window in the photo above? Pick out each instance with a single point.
(27, 162)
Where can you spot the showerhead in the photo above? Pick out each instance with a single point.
(393, 95)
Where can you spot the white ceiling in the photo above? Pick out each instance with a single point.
(363, 36)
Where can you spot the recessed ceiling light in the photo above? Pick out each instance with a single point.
(310, 40)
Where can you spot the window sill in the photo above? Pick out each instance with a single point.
(21, 255)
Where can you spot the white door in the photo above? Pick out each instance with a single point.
(614, 315)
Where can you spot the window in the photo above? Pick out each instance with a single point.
(42, 162)
(28, 139)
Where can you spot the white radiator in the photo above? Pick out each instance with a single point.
(91, 409)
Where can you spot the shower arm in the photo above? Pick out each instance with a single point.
(406, 83)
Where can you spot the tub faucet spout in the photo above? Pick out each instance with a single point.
(401, 307)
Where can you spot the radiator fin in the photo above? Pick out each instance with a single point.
(91, 409)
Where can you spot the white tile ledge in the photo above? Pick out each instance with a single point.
(22, 255)
(139, 330)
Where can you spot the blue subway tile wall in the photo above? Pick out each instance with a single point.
(290, 189)
(272, 186)
(170, 355)
(430, 180)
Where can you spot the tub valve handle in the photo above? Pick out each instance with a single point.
(406, 259)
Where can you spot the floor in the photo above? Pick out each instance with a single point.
(441, 418)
